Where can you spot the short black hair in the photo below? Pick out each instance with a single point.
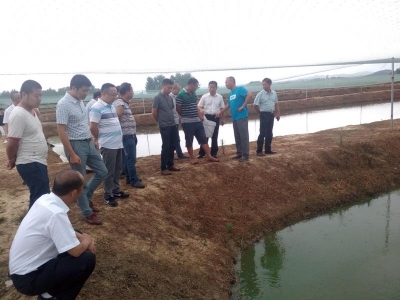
(213, 82)
(192, 80)
(106, 86)
(13, 93)
(124, 88)
(96, 94)
(267, 80)
(79, 81)
(232, 78)
(28, 86)
(66, 181)
(167, 81)
(118, 87)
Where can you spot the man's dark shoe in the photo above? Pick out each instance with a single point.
(237, 157)
(138, 185)
(260, 154)
(183, 156)
(93, 219)
(121, 194)
(174, 169)
(270, 152)
(243, 159)
(93, 207)
(110, 201)
(166, 172)
(200, 156)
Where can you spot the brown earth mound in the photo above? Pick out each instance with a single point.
(178, 238)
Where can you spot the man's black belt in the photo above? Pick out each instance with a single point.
(85, 140)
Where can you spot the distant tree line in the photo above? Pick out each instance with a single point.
(154, 83)
(397, 71)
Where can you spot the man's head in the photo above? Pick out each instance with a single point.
(166, 87)
(79, 87)
(266, 84)
(192, 85)
(31, 94)
(108, 93)
(68, 185)
(96, 95)
(15, 97)
(230, 83)
(126, 91)
(176, 88)
(212, 87)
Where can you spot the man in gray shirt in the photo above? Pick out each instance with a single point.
(163, 113)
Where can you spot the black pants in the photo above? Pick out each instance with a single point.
(178, 143)
(62, 277)
(168, 136)
(266, 126)
(214, 138)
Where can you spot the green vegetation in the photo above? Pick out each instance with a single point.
(397, 71)
(154, 83)
(229, 227)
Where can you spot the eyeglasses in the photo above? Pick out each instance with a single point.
(112, 95)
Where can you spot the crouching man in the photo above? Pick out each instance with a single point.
(47, 257)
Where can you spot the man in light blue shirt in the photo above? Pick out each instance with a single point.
(107, 133)
(266, 104)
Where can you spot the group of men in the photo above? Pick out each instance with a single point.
(59, 259)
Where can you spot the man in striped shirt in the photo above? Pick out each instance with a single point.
(107, 133)
(186, 106)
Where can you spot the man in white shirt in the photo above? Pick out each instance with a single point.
(96, 97)
(16, 99)
(27, 147)
(210, 104)
(47, 257)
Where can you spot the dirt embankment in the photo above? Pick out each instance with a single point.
(178, 238)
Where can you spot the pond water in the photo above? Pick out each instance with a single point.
(350, 253)
(149, 139)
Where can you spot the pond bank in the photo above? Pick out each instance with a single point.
(178, 238)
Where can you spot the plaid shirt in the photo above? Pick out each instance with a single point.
(72, 112)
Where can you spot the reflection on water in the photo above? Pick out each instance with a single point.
(350, 253)
(149, 139)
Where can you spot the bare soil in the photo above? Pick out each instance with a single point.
(178, 238)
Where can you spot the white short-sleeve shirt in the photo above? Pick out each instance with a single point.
(212, 104)
(44, 233)
(7, 113)
(32, 142)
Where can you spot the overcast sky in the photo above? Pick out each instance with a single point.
(75, 36)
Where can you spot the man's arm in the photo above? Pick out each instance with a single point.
(277, 112)
(200, 112)
(179, 109)
(154, 112)
(6, 129)
(249, 96)
(222, 111)
(94, 129)
(120, 111)
(256, 108)
(86, 242)
(62, 133)
(12, 150)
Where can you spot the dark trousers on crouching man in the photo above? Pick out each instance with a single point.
(266, 126)
(62, 277)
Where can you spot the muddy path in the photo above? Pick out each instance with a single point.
(178, 238)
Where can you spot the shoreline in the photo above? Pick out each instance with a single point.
(183, 233)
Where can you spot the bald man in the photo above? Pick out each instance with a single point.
(48, 257)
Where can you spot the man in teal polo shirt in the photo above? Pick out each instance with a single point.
(238, 99)
(266, 104)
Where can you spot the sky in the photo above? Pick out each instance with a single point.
(50, 40)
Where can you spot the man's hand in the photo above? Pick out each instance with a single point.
(240, 108)
(75, 159)
(11, 164)
(92, 247)
(96, 144)
(222, 122)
